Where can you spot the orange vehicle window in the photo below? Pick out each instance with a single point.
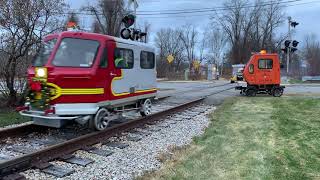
(251, 68)
(265, 63)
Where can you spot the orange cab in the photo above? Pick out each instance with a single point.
(262, 75)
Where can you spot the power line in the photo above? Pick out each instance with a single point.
(195, 15)
(220, 9)
(209, 8)
(206, 10)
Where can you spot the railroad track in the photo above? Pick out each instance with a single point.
(40, 159)
(23, 130)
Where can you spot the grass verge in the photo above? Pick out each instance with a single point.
(296, 81)
(9, 117)
(253, 138)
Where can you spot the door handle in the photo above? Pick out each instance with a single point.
(112, 74)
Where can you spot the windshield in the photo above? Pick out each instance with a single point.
(42, 57)
(76, 53)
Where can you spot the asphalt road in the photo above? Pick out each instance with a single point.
(182, 91)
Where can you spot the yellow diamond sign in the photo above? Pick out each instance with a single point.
(170, 58)
(196, 64)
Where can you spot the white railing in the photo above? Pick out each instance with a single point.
(310, 78)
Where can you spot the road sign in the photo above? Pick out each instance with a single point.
(196, 64)
(170, 58)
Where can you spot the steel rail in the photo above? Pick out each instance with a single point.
(37, 159)
(21, 130)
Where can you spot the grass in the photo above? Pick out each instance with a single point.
(253, 138)
(9, 117)
(296, 81)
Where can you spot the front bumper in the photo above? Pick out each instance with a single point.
(63, 111)
(39, 114)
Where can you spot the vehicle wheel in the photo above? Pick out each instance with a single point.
(101, 121)
(251, 92)
(146, 108)
(277, 92)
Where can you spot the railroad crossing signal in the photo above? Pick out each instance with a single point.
(294, 24)
(131, 33)
(290, 46)
(170, 58)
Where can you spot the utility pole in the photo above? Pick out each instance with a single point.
(135, 6)
(289, 49)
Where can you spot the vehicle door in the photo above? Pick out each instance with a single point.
(265, 68)
(104, 70)
(124, 74)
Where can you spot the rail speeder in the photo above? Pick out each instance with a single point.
(89, 78)
(262, 75)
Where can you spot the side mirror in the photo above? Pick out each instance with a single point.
(281, 66)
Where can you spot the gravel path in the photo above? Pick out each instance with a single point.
(140, 156)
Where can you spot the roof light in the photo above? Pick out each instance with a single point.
(72, 26)
(263, 52)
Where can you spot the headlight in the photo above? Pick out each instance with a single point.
(41, 72)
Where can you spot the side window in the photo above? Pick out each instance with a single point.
(123, 58)
(104, 59)
(251, 69)
(265, 63)
(147, 60)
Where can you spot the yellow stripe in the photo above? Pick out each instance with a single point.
(147, 90)
(81, 91)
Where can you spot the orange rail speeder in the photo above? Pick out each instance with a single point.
(262, 75)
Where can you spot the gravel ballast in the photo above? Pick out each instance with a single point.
(140, 156)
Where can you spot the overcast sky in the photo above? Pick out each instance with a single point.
(306, 12)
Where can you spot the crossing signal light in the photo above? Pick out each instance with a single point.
(287, 43)
(293, 49)
(295, 43)
(126, 33)
(294, 24)
(128, 20)
(294, 46)
(133, 34)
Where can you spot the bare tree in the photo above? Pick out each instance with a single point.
(109, 14)
(189, 37)
(23, 24)
(169, 43)
(96, 28)
(312, 54)
(249, 29)
(216, 44)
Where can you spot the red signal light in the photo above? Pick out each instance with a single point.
(128, 20)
